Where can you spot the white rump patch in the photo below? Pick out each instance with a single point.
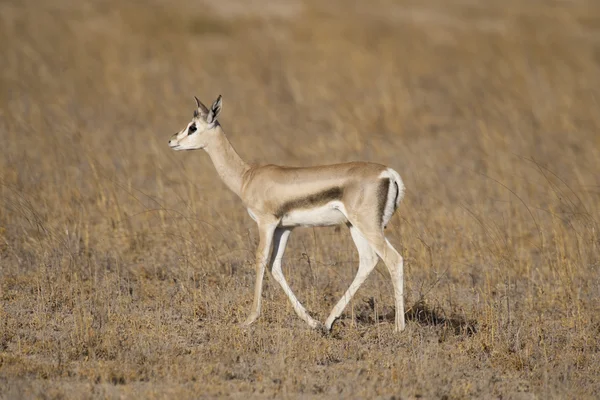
(385, 174)
(395, 194)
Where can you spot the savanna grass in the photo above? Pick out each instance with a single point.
(126, 268)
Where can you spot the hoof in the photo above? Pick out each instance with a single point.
(250, 320)
(399, 328)
(322, 329)
(329, 324)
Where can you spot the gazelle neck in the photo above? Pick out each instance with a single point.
(227, 162)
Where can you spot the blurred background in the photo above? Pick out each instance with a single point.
(126, 268)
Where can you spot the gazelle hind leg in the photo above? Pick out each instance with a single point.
(394, 263)
(280, 241)
(396, 268)
(368, 260)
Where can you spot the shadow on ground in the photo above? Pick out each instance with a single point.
(420, 312)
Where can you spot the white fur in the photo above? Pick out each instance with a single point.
(327, 215)
(393, 194)
(401, 188)
(367, 261)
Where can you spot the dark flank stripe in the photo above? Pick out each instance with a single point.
(314, 200)
(382, 195)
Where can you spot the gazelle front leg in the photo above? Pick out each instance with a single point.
(263, 253)
(279, 244)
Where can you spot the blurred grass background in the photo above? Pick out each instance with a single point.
(125, 268)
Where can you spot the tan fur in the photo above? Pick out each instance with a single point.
(267, 189)
(360, 191)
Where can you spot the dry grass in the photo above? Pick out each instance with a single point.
(125, 268)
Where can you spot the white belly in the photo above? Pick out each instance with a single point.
(327, 215)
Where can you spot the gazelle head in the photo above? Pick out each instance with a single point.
(199, 131)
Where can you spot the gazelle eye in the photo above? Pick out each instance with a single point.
(192, 129)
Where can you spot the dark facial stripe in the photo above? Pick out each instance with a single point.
(382, 195)
(314, 200)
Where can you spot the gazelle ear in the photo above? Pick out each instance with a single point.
(215, 109)
(202, 110)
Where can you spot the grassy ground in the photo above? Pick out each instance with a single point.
(126, 268)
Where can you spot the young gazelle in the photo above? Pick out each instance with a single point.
(362, 195)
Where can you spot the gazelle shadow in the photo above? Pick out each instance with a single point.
(420, 312)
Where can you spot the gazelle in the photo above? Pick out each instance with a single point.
(362, 195)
